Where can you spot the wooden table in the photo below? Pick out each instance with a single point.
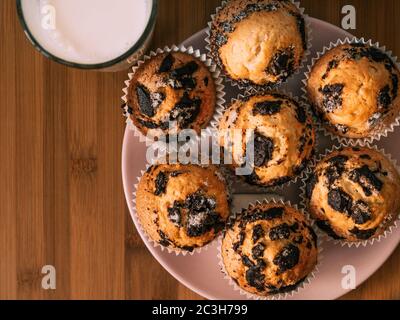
(61, 197)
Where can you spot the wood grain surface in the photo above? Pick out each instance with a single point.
(61, 197)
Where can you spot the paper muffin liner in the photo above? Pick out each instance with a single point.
(386, 129)
(304, 201)
(172, 250)
(259, 88)
(280, 296)
(212, 67)
(240, 182)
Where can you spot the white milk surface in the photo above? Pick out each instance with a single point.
(87, 31)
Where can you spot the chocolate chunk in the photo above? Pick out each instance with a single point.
(238, 244)
(384, 98)
(167, 63)
(340, 201)
(332, 99)
(376, 54)
(247, 262)
(273, 213)
(301, 25)
(326, 227)
(258, 251)
(282, 64)
(365, 157)
(280, 232)
(310, 185)
(338, 160)
(160, 183)
(148, 124)
(255, 278)
(186, 70)
(205, 80)
(185, 111)
(366, 179)
(331, 65)
(363, 234)
(187, 248)
(174, 214)
(336, 168)
(182, 78)
(165, 241)
(267, 108)
(144, 100)
(258, 233)
(263, 149)
(201, 215)
(361, 212)
(259, 214)
(287, 258)
(283, 289)
(156, 99)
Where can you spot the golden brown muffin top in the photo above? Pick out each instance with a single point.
(283, 136)
(354, 90)
(182, 206)
(171, 87)
(258, 43)
(353, 193)
(270, 249)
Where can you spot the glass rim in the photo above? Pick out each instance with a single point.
(147, 31)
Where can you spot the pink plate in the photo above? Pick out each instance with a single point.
(201, 273)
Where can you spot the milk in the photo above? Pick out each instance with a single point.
(86, 31)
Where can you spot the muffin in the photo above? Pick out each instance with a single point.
(269, 249)
(352, 194)
(182, 206)
(283, 137)
(353, 89)
(171, 87)
(258, 43)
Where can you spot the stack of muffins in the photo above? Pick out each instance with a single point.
(269, 248)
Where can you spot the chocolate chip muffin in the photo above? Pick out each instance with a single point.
(171, 87)
(353, 193)
(182, 206)
(258, 43)
(269, 249)
(283, 137)
(353, 89)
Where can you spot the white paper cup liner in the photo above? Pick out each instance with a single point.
(321, 127)
(388, 229)
(155, 244)
(280, 296)
(258, 88)
(215, 72)
(240, 181)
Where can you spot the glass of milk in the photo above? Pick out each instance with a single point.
(106, 35)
